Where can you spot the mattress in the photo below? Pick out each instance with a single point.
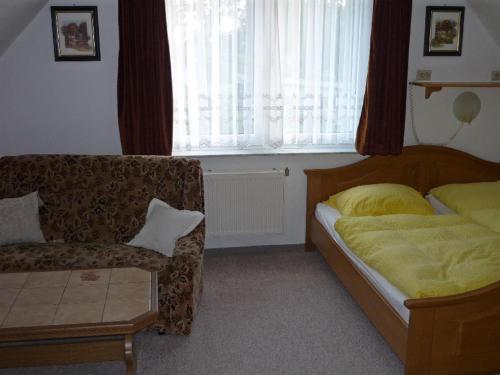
(327, 216)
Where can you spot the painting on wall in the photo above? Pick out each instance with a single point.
(444, 30)
(76, 33)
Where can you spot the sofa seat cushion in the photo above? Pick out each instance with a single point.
(179, 277)
(52, 256)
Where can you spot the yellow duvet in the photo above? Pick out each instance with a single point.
(426, 256)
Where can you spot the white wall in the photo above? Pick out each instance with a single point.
(434, 119)
(49, 107)
(59, 107)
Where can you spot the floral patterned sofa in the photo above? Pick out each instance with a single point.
(92, 205)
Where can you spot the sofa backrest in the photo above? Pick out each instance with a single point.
(100, 198)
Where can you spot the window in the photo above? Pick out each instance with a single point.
(267, 74)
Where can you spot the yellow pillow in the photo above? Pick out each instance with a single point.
(465, 198)
(489, 217)
(380, 199)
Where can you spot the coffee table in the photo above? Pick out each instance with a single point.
(64, 317)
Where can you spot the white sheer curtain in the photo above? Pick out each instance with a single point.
(267, 73)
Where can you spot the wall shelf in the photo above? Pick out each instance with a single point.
(431, 87)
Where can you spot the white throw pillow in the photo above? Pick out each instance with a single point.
(164, 226)
(19, 221)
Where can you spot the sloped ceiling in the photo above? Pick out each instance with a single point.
(488, 12)
(15, 15)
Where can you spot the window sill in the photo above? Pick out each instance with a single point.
(269, 152)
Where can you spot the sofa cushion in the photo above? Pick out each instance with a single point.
(100, 198)
(179, 277)
(164, 226)
(19, 220)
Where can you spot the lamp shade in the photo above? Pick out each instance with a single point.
(466, 107)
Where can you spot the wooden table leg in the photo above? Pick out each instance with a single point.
(129, 354)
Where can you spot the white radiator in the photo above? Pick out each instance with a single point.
(244, 202)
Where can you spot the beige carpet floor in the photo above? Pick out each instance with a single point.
(265, 311)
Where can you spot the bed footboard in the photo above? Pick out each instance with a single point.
(455, 335)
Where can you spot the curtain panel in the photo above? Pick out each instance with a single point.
(382, 123)
(268, 73)
(145, 104)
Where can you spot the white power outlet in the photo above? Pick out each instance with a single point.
(424, 75)
(495, 75)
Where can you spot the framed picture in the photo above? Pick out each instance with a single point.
(76, 33)
(444, 30)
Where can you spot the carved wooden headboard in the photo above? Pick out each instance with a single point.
(422, 167)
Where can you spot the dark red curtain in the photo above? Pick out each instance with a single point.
(145, 105)
(382, 123)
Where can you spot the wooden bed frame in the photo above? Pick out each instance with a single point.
(458, 334)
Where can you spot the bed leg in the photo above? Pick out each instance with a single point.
(309, 246)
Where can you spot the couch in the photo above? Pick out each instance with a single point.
(92, 205)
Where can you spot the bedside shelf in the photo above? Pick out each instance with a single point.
(431, 87)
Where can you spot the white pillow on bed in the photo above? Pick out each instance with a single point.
(439, 207)
(164, 226)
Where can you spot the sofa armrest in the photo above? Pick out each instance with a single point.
(192, 244)
(193, 194)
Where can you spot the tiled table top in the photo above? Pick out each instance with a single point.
(69, 297)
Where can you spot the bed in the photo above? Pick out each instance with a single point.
(458, 334)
